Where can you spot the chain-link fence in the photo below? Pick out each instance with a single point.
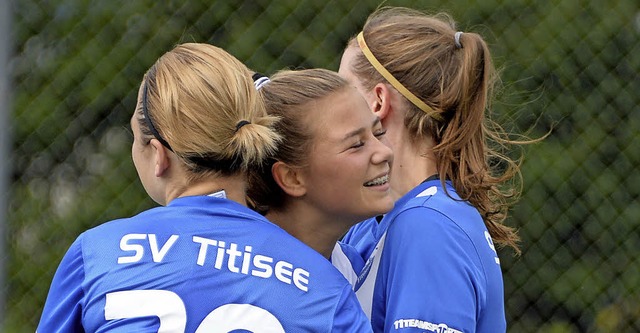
(570, 64)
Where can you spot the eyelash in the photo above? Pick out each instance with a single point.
(378, 135)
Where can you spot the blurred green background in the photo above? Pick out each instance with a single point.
(565, 64)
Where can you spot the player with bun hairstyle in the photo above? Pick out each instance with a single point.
(202, 261)
(431, 261)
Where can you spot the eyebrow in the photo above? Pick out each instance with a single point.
(360, 130)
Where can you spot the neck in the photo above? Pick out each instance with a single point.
(234, 187)
(321, 233)
(413, 160)
(412, 164)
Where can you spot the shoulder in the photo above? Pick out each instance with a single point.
(435, 207)
(64, 303)
(74, 257)
(197, 211)
(435, 221)
(437, 227)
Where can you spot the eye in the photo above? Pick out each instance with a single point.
(357, 145)
(380, 133)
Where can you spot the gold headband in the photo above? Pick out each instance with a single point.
(393, 81)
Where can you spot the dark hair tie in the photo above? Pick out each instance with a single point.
(256, 76)
(241, 123)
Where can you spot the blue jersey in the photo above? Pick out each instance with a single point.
(432, 266)
(200, 264)
(348, 261)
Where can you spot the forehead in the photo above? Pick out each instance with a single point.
(347, 59)
(137, 111)
(338, 114)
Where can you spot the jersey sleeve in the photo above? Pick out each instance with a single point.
(63, 308)
(431, 276)
(349, 316)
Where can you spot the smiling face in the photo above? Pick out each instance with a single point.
(348, 168)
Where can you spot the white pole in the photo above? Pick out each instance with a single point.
(5, 154)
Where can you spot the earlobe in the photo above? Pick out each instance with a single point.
(289, 179)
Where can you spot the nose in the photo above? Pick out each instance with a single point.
(382, 154)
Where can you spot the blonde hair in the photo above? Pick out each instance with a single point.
(453, 74)
(289, 95)
(202, 105)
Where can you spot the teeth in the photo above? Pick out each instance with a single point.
(378, 181)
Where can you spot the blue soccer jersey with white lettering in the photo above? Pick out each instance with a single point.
(432, 266)
(200, 264)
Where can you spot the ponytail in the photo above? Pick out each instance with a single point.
(207, 111)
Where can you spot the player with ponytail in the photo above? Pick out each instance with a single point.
(432, 259)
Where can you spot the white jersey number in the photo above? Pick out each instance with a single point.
(170, 309)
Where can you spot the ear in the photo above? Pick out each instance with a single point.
(289, 179)
(161, 156)
(382, 100)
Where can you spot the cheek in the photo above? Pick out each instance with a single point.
(135, 155)
(325, 177)
(328, 166)
(385, 141)
(342, 175)
(138, 157)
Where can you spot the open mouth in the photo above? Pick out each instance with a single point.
(378, 181)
